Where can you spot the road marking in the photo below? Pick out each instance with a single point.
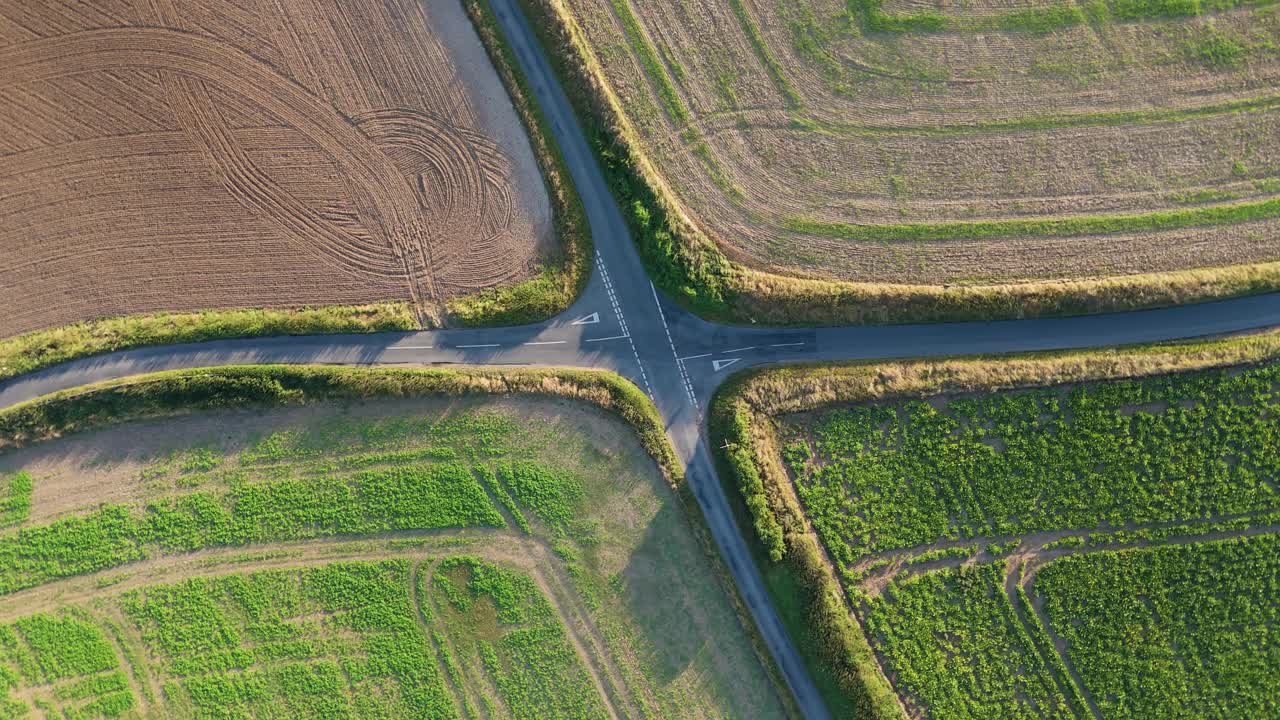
(547, 342)
(730, 352)
(615, 337)
(695, 357)
(684, 375)
(479, 346)
(722, 364)
(622, 322)
(786, 344)
(409, 347)
(591, 319)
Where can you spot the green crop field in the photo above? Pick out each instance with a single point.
(456, 558)
(1085, 550)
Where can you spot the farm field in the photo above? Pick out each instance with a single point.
(177, 155)
(920, 143)
(455, 557)
(1092, 549)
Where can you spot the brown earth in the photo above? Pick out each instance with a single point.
(189, 154)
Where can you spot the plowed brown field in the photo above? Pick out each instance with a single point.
(187, 154)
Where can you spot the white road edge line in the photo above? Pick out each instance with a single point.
(684, 374)
(479, 346)
(786, 344)
(615, 337)
(622, 323)
(547, 342)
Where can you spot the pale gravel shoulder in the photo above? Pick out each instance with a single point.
(495, 114)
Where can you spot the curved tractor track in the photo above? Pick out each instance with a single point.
(622, 324)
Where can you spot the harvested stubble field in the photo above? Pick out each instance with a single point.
(424, 558)
(1083, 550)
(912, 142)
(162, 155)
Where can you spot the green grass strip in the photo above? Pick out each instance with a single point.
(1044, 122)
(43, 348)
(1053, 227)
(763, 54)
(651, 63)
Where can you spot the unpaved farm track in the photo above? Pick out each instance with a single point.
(334, 145)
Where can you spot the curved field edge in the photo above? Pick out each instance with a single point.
(801, 577)
(692, 268)
(172, 392)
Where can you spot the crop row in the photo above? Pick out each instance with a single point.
(1159, 450)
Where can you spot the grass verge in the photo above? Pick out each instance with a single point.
(560, 283)
(800, 577)
(690, 267)
(43, 348)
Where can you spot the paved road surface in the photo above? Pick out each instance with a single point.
(621, 323)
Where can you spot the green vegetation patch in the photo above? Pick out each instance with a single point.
(954, 642)
(63, 664)
(15, 498)
(497, 619)
(1158, 450)
(1174, 631)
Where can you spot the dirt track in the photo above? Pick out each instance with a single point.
(168, 155)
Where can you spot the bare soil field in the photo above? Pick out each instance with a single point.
(926, 142)
(530, 561)
(182, 154)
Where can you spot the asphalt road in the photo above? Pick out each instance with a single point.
(621, 323)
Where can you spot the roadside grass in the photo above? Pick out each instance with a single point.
(562, 480)
(805, 584)
(43, 348)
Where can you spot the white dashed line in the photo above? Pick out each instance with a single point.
(615, 337)
(478, 346)
(694, 357)
(684, 375)
(409, 347)
(729, 352)
(547, 342)
(786, 344)
(622, 323)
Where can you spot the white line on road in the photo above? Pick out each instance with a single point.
(622, 322)
(409, 347)
(786, 344)
(694, 357)
(548, 342)
(615, 337)
(591, 319)
(722, 364)
(684, 375)
(480, 346)
(729, 352)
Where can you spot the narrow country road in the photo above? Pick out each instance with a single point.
(622, 324)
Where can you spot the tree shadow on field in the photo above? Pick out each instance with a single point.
(659, 596)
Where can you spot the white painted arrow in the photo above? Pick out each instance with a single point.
(591, 319)
(722, 364)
